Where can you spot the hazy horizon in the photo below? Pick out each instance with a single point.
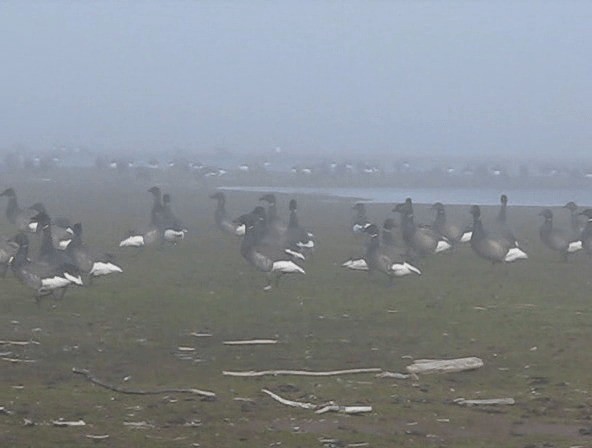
(449, 79)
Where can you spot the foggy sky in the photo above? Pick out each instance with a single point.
(439, 77)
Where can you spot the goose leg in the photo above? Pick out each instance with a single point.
(4, 270)
(63, 292)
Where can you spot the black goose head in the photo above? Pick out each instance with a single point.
(571, 206)
(166, 199)
(42, 219)
(476, 212)
(438, 207)
(547, 214)
(404, 208)
(259, 213)
(504, 199)
(9, 192)
(155, 191)
(269, 198)
(389, 224)
(360, 207)
(292, 205)
(77, 229)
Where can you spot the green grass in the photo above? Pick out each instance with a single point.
(131, 325)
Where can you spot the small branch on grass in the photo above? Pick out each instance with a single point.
(21, 343)
(66, 424)
(486, 402)
(253, 373)
(89, 376)
(16, 360)
(319, 409)
(252, 342)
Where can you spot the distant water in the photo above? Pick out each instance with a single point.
(541, 197)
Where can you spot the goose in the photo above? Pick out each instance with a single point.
(360, 220)
(556, 239)
(91, 263)
(383, 261)
(441, 225)
(576, 227)
(496, 250)
(20, 217)
(276, 227)
(44, 278)
(154, 232)
(297, 237)
(273, 263)
(173, 230)
(586, 236)
(421, 240)
(8, 249)
(221, 217)
(48, 252)
(502, 226)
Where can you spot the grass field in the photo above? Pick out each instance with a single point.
(529, 322)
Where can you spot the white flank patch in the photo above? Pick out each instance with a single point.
(574, 246)
(295, 254)
(133, 241)
(514, 254)
(442, 246)
(402, 269)
(54, 283)
(174, 235)
(356, 264)
(240, 230)
(466, 237)
(63, 244)
(76, 279)
(287, 267)
(32, 227)
(308, 245)
(100, 268)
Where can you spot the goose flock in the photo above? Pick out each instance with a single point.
(272, 245)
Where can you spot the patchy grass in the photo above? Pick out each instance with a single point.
(529, 322)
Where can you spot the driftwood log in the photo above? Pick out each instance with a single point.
(89, 376)
(444, 365)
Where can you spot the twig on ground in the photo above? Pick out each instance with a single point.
(253, 373)
(98, 382)
(319, 409)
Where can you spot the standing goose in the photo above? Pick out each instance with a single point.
(441, 225)
(297, 237)
(44, 278)
(380, 260)
(557, 239)
(18, 216)
(48, 253)
(503, 228)
(273, 263)
(496, 250)
(91, 263)
(155, 231)
(576, 227)
(173, 230)
(421, 240)
(8, 249)
(586, 236)
(221, 217)
(360, 220)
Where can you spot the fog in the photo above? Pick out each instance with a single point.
(427, 77)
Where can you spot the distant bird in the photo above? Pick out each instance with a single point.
(8, 249)
(556, 239)
(360, 221)
(16, 215)
(273, 262)
(380, 260)
(494, 249)
(44, 278)
(223, 222)
(452, 233)
(91, 263)
(421, 240)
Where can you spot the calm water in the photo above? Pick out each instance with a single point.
(483, 196)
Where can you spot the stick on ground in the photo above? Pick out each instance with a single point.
(253, 373)
(89, 376)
